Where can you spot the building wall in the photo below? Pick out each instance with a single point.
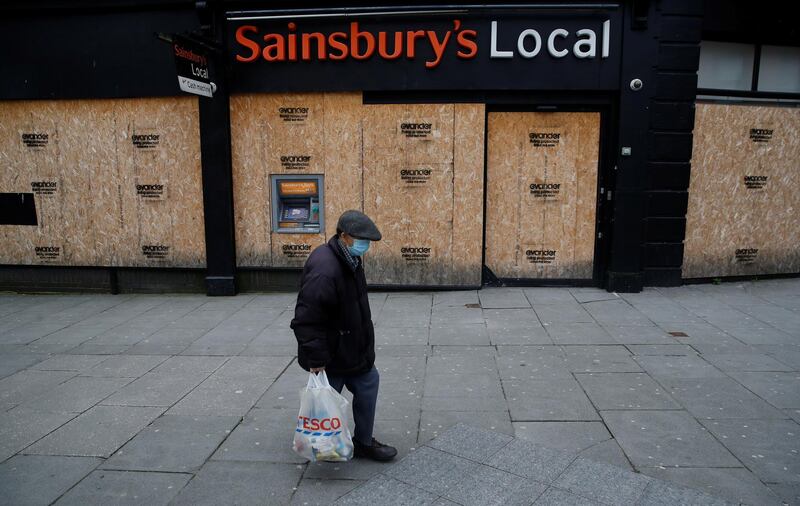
(116, 183)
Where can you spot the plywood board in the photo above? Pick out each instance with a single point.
(414, 181)
(541, 201)
(468, 162)
(86, 179)
(743, 195)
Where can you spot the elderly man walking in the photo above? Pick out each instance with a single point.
(333, 325)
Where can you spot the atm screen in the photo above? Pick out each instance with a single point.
(295, 213)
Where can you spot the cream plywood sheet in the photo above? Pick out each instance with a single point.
(320, 134)
(86, 181)
(542, 191)
(250, 181)
(397, 163)
(743, 195)
(343, 168)
(468, 162)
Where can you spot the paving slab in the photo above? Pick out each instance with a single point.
(173, 443)
(719, 398)
(312, 492)
(125, 366)
(659, 493)
(458, 334)
(555, 399)
(573, 437)
(788, 492)
(432, 470)
(678, 367)
(27, 384)
(470, 442)
(625, 391)
(488, 486)
(781, 389)
(603, 483)
(75, 363)
(529, 460)
(21, 427)
(745, 362)
(666, 438)
(189, 365)
(769, 448)
(35, 479)
(737, 485)
(583, 359)
(241, 483)
(532, 334)
(566, 312)
(557, 497)
(124, 487)
(265, 435)
(77, 394)
(434, 423)
(98, 432)
(402, 336)
(533, 364)
(639, 334)
(503, 298)
(389, 491)
(663, 350)
(578, 333)
(13, 362)
(222, 396)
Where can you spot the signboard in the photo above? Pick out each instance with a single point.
(564, 49)
(191, 63)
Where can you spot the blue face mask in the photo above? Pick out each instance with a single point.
(359, 247)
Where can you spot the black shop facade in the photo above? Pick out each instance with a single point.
(519, 145)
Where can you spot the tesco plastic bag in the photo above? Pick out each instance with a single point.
(322, 432)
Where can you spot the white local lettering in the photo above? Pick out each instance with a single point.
(529, 43)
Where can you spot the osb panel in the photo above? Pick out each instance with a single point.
(294, 143)
(468, 160)
(292, 250)
(743, 192)
(342, 133)
(404, 179)
(324, 127)
(542, 184)
(250, 182)
(91, 214)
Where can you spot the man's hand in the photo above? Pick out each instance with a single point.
(317, 369)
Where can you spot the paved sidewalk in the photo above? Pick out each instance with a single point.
(185, 399)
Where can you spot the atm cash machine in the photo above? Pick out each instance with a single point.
(297, 203)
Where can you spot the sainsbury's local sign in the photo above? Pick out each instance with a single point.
(521, 52)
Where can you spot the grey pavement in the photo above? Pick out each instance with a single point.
(573, 395)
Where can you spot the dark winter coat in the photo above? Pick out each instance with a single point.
(332, 320)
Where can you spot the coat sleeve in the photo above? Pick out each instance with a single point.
(313, 317)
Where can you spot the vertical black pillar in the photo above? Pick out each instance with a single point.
(215, 150)
(625, 272)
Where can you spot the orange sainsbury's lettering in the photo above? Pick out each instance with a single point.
(248, 43)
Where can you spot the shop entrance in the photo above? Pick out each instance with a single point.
(541, 197)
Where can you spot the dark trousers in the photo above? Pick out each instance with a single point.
(364, 388)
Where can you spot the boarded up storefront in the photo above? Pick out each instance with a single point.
(744, 193)
(115, 182)
(541, 194)
(397, 163)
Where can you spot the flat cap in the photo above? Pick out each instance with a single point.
(359, 225)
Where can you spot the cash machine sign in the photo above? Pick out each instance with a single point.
(298, 187)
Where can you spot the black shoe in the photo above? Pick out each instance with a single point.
(376, 451)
